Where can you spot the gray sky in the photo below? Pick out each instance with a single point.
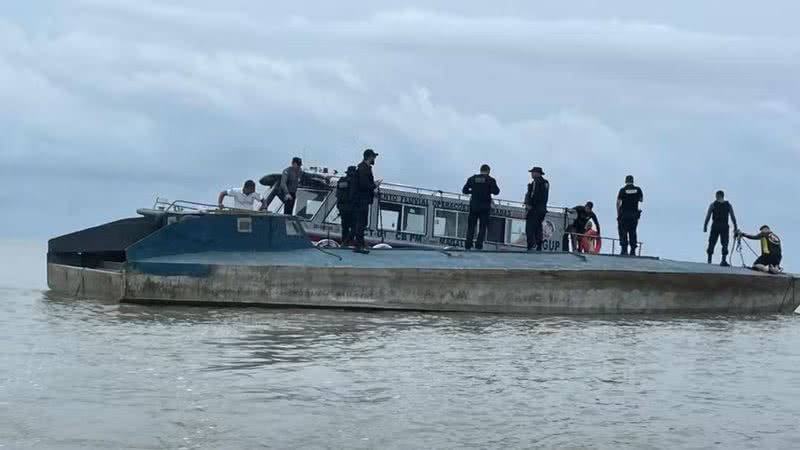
(107, 104)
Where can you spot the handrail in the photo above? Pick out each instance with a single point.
(614, 241)
(180, 205)
(422, 190)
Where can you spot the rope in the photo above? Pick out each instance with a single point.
(785, 294)
(329, 253)
(737, 247)
(751, 249)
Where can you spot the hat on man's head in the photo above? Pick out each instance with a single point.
(297, 160)
(764, 228)
(629, 179)
(369, 153)
(537, 169)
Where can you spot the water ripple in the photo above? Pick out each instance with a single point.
(88, 374)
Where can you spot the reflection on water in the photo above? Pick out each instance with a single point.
(89, 374)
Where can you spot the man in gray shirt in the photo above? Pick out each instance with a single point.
(286, 188)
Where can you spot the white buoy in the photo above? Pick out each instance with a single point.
(327, 243)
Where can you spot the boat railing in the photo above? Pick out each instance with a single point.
(183, 206)
(615, 242)
(460, 197)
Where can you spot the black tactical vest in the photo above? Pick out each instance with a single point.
(344, 191)
(720, 213)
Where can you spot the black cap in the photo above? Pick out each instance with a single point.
(297, 160)
(763, 226)
(368, 153)
(352, 169)
(485, 168)
(629, 179)
(537, 169)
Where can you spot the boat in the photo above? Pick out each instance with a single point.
(236, 257)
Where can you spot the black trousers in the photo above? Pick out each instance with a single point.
(768, 260)
(627, 233)
(347, 219)
(361, 219)
(474, 216)
(288, 206)
(533, 228)
(723, 234)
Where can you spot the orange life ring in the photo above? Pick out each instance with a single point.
(591, 242)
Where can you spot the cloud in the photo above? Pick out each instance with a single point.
(632, 49)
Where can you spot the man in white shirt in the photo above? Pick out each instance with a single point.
(242, 198)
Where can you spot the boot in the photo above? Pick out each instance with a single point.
(709, 258)
(724, 262)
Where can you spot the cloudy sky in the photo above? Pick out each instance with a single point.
(108, 103)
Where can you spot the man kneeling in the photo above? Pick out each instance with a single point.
(770, 259)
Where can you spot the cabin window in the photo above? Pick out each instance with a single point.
(389, 219)
(308, 203)
(448, 223)
(445, 223)
(516, 232)
(463, 221)
(496, 230)
(334, 217)
(414, 219)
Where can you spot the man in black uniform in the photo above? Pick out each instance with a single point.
(344, 202)
(719, 210)
(481, 187)
(536, 206)
(771, 255)
(363, 196)
(628, 215)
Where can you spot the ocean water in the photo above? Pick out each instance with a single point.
(82, 374)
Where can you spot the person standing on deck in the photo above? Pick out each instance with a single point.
(363, 196)
(243, 198)
(480, 188)
(719, 210)
(286, 188)
(344, 202)
(536, 206)
(628, 214)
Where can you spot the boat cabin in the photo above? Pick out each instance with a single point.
(410, 216)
